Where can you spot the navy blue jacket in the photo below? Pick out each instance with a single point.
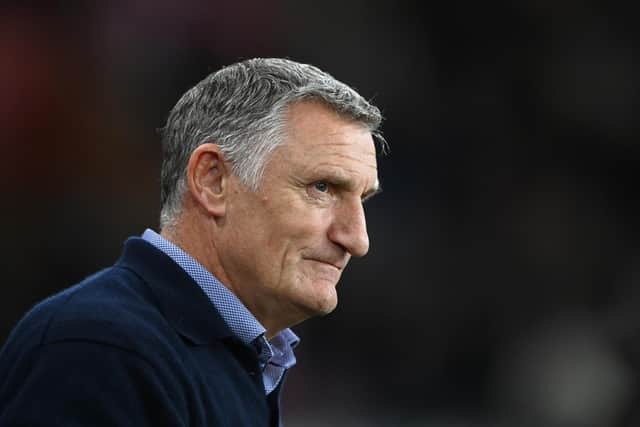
(138, 344)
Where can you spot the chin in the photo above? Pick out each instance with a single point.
(326, 308)
(314, 296)
(324, 303)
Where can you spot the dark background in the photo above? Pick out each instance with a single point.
(501, 287)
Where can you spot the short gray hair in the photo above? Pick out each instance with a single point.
(242, 108)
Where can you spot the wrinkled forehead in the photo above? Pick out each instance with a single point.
(317, 137)
(313, 123)
(347, 158)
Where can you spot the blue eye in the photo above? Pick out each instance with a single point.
(321, 186)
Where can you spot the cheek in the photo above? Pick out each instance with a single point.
(303, 231)
(295, 218)
(287, 228)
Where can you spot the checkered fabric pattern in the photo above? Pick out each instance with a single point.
(276, 355)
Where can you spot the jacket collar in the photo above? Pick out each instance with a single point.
(179, 298)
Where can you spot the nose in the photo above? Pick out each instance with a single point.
(349, 228)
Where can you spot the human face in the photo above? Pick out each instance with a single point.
(289, 242)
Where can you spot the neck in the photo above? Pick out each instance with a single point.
(199, 237)
(196, 237)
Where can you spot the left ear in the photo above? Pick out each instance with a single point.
(207, 178)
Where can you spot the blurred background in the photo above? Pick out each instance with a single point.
(502, 285)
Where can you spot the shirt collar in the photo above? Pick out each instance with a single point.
(283, 345)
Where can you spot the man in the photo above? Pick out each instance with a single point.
(266, 164)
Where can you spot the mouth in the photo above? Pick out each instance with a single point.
(337, 265)
(323, 271)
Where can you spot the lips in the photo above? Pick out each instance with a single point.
(340, 265)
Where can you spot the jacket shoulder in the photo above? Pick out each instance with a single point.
(113, 306)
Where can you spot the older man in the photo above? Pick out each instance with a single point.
(266, 164)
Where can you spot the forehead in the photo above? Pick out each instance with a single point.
(318, 138)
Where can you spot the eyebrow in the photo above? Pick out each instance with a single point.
(340, 179)
(372, 192)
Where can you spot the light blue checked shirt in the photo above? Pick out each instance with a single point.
(276, 354)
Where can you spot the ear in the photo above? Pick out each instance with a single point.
(207, 176)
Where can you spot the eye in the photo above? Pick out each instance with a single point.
(321, 186)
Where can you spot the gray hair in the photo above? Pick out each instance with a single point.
(242, 108)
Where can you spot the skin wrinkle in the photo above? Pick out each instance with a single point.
(337, 168)
(338, 175)
(340, 166)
